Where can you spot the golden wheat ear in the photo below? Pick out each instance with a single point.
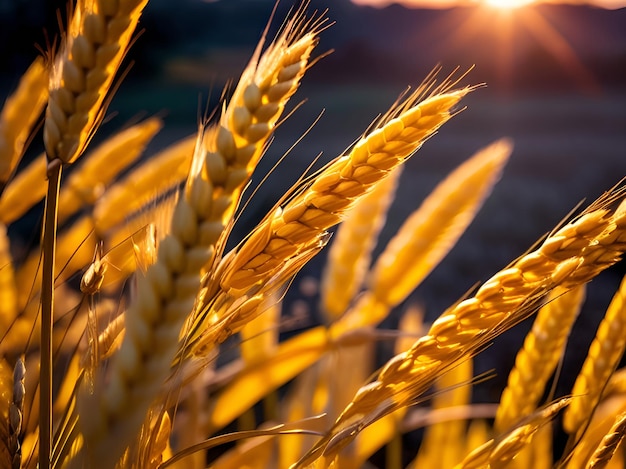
(113, 415)
(97, 39)
(18, 116)
(539, 356)
(499, 452)
(569, 257)
(294, 233)
(602, 360)
(426, 237)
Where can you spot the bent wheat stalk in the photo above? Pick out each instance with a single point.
(571, 256)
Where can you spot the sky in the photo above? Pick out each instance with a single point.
(612, 4)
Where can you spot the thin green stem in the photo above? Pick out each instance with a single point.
(47, 301)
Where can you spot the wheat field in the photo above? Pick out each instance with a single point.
(139, 332)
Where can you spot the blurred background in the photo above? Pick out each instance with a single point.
(556, 85)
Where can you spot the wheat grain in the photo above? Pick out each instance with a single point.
(539, 355)
(350, 253)
(602, 359)
(19, 114)
(569, 257)
(98, 36)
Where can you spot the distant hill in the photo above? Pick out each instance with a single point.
(370, 44)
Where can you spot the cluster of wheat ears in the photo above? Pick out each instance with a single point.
(122, 372)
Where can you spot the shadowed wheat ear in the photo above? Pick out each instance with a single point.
(113, 415)
(569, 257)
(16, 413)
(18, 116)
(541, 352)
(602, 359)
(290, 235)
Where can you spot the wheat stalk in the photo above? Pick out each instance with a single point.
(539, 355)
(569, 257)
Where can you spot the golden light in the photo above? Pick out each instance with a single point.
(508, 4)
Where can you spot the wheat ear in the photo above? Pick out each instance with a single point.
(8, 289)
(608, 446)
(427, 236)
(98, 36)
(499, 452)
(350, 253)
(18, 116)
(539, 355)
(16, 413)
(571, 256)
(166, 294)
(304, 219)
(453, 389)
(290, 236)
(25, 190)
(82, 73)
(602, 359)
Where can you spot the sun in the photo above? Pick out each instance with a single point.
(508, 4)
